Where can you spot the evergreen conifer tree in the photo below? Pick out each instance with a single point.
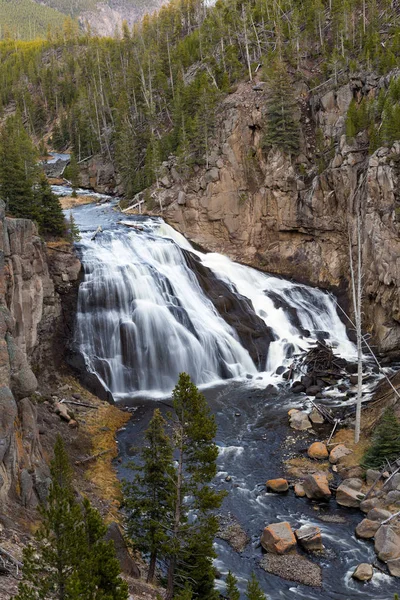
(282, 127)
(149, 498)
(232, 592)
(73, 174)
(191, 551)
(18, 170)
(70, 558)
(385, 442)
(73, 230)
(253, 590)
(51, 219)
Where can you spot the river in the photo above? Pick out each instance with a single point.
(143, 317)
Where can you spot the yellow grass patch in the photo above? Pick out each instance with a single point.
(70, 202)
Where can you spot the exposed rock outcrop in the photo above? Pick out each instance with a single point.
(30, 310)
(286, 218)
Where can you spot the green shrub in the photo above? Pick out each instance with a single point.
(385, 442)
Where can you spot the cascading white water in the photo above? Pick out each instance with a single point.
(143, 317)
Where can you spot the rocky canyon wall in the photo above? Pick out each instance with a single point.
(31, 288)
(292, 217)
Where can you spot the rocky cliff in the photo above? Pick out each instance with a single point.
(292, 217)
(31, 286)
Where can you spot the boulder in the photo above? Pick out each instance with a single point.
(367, 529)
(298, 388)
(181, 198)
(369, 504)
(338, 452)
(353, 482)
(299, 420)
(128, 565)
(316, 487)
(394, 567)
(277, 485)
(387, 543)
(393, 483)
(62, 410)
(393, 497)
(348, 496)
(318, 450)
(315, 417)
(278, 538)
(371, 476)
(309, 537)
(299, 490)
(363, 572)
(313, 390)
(378, 514)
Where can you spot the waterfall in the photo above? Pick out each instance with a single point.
(143, 316)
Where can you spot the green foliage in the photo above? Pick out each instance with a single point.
(24, 19)
(73, 230)
(72, 173)
(51, 218)
(282, 126)
(253, 590)
(385, 442)
(232, 592)
(165, 491)
(70, 559)
(148, 498)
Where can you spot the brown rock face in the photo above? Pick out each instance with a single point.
(278, 538)
(348, 496)
(30, 311)
(316, 487)
(277, 485)
(264, 211)
(318, 450)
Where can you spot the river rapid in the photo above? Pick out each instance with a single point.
(143, 318)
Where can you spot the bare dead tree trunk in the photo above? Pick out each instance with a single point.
(357, 301)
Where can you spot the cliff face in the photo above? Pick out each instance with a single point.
(30, 319)
(283, 216)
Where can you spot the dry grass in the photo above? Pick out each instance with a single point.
(346, 437)
(101, 426)
(70, 202)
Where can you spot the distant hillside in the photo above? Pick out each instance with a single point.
(30, 19)
(24, 19)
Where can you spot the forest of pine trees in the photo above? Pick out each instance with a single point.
(153, 90)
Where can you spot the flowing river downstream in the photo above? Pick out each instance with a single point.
(149, 307)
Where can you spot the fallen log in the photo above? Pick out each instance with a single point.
(78, 404)
(98, 230)
(83, 461)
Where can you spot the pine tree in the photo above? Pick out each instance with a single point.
(149, 498)
(191, 550)
(185, 594)
(385, 442)
(70, 558)
(232, 592)
(48, 568)
(18, 170)
(51, 219)
(97, 575)
(73, 230)
(282, 127)
(253, 590)
(73, 174)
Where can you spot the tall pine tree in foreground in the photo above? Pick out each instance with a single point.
(51, 216)
(148, 498)
(171, 504)
(69, 559)
(385, 442)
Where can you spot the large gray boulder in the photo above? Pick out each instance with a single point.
(348, 496)
(316, 487)
(367, 529)
(363, 572)
(387, 543)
